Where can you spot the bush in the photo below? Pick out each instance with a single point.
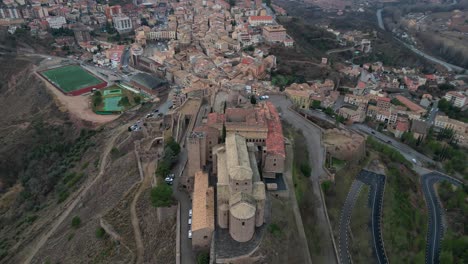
(305, 169)
(76, 222)
(203, 258)
(100, 232)
(274, 229)
(161, 196)
(326, 186)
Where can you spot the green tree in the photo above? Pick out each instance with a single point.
(124, 101)
(161, 196)
(232, 3)
(253, 100)
(305, 169)
(446, 257)
(203, 258)
(137, 99)
(316, 104)
(100, 232)
(223, 135)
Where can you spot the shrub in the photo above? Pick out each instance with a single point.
(305, 169)
(161, 196)
(203, 258)
(100, 232)
(326, 186)
(76, 222)
(274, 229)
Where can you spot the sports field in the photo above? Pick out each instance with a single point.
(71, 78)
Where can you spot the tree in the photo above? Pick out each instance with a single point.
(137, 99)
(223, 135)
(305, 169)
(253, 100)
(161, 196)
(97, 100)
(124, 101)
(232, 3)
(316, 104)
(203, 258)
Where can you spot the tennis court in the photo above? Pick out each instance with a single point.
(71, 78)
(111, 104)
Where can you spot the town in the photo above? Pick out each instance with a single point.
(195, 146)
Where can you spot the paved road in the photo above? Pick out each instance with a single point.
(448, 66)
(380, 20)
(345, 218)
(316, 158)
(432, 114)
(377, 184)
(404, 149)
(435, 226)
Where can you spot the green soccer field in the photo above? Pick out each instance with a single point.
(71, 78)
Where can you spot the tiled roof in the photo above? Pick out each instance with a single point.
(261, 18)
(408, 103)
(275, 140)
(202, 203)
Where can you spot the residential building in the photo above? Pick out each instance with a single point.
(56, 21)
(459, 128)
(122, 23)
(419, 129)
(457, 99)
(260, 20)
(413, 107)
(276, 33)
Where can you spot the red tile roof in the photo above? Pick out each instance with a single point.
(275, 140)
(261, 18)
(402, 126)
(411, 105)
(214, 118)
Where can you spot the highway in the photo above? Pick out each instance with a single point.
(435, 226)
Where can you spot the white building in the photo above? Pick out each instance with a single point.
(56, 21)
(457, 99)
(122, 23)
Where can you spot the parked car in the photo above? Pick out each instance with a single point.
(169, 180)
(190, 234)
(190, 220)
(190, 213)
(149, 115)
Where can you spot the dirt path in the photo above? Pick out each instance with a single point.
(148, 170)
(80, 194)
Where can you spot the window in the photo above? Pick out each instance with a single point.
(243, 223)
(237, 183)
(274, 164)
(205, 237)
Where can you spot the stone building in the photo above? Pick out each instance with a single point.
(240, 191)
(261, 126)
(203, 212)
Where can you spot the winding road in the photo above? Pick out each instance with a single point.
(448, 66)
(435, 230)
(377, 184)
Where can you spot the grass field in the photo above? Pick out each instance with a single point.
(71, 78)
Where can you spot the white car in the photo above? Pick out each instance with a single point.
(190, 213)
(190, 234)
(190, 221)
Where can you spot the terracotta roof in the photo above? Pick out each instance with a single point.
(202, 203)
(275, 140)
(214, 118)
(411, 105)
(261, 18)
(384, 99)
(402, 126)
